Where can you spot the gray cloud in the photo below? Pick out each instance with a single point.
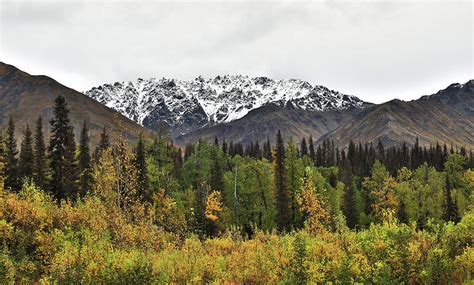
(375, 50)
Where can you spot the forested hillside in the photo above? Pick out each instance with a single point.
(223, 212)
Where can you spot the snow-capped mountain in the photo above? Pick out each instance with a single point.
(186, 105)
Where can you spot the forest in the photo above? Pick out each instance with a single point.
(291, 212)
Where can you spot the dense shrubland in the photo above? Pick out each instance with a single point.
(222, 213)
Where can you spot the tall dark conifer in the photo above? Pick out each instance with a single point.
(85, 165)
(104, 143)
(349, 202)
(225, 147)
(40, 165)
(217, 177)
(267, 151)
(282, 195)
(11, 162)
(142, 173)
(25, 165)
(2, 160)
(312, 152)
(62, 149)
(380, 152)
(450, 209)
(304, 147)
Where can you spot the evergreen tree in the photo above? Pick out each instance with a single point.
(2, 161)
(352, 157)
(217, 177)
(25, 166)
(349, 203)
(282, 195)
(40, 164)
(294, 170)
(304, 147)
(267, 151)
(177, 162)
(450, 209)
(319, 156)
(11, 163)
(72, 171)
(380, 152)
(85, 165)
(312, 153)
(225, 147)
(142, 175)
(104, 143)
(62, 148)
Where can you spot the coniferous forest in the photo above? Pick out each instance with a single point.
(293, 212)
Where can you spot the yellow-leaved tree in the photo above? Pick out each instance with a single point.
(312, 206)
(213, 206)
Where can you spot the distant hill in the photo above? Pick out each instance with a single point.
(264, 122)
(25, 97)
(445, 117)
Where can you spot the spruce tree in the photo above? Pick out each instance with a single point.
(294, 171)
(2, 161)
(224, 147)
(450, 208)
(177, 162)
(282, 195)
(40, 165)
(380, 152)
(72, 170)
(11, 162)
(62, 148)
(142, 173)
(349, 203)
(104, 143)
(85, 165)
(304, 147)
(217, 177)
(267, 150)
(26, 162)
(312, 153)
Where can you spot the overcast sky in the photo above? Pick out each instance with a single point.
(374, 50)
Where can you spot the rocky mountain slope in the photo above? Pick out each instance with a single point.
(264, 122)
(186, 106)
(25, 97)
(446, 117)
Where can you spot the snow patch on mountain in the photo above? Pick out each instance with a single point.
(191, 104)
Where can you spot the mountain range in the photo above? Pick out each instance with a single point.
(242, 109)
(190, 105)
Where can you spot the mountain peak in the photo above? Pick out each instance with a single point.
(221, 99)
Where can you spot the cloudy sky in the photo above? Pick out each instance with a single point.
(376, 50)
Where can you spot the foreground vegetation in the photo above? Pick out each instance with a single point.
(222, 213)
(92, 242)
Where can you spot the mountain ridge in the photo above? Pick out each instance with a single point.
(25, 97)
(446, 116)
(188, 105)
